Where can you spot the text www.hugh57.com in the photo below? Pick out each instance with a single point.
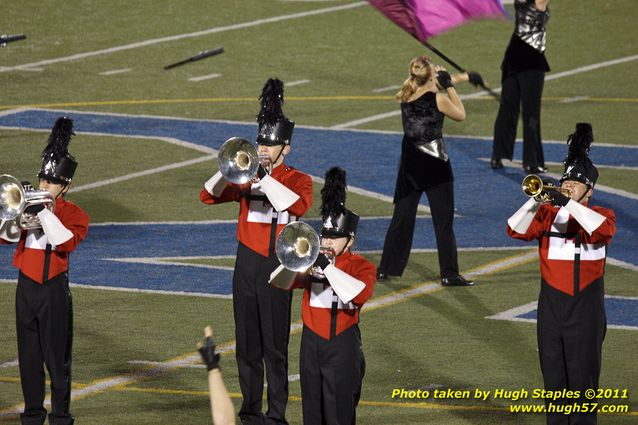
(568, 409)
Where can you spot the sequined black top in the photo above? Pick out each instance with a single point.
(422, 122)
(526, 50)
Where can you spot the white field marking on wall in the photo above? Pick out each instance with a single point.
(142, 173)
(160, 40)
(115, 71)
(297, 83)
(388, 88)
(550, 77)
(204, 77)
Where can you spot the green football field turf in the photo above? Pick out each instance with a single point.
(439, 339)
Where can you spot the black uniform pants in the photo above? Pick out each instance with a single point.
(521, 89)
(44, 324)
(262, 330)
(571, 330)
(331, 375)
(398, 239)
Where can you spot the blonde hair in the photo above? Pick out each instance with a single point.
(420, 73)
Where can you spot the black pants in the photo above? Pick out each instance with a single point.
(44, 324)
(331, 375)
(262, 330)
(398, 239)
(571, 330)
(522, 89)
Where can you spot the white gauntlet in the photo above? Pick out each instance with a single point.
(216, 184)
(53, 228)
(521, 219)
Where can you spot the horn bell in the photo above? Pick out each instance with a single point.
(297, 246)
(238, 160)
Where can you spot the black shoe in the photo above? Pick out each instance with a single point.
(381, 276)
(456, 281)
(535, 170)
(496, 163)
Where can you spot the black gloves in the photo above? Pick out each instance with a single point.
(322, 262)
(27, 185)
(558, 199)
(207, 351)
(261, 172)
(444, 79)
(475, 78)
(34, 209)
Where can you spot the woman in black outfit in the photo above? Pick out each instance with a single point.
(523, 77)
(425, 167)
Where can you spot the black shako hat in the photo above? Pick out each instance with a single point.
(578, 166)
(338, 221)
(274, 127)
(58, 165)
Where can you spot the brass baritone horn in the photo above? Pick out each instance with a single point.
(297, 246)
(533, 186)
(238, 160)
(14, 200)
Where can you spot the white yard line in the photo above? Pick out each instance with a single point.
(388, 88)
(115, 71)
(297, 83)
(204, 77)
(549, 77)
(160, 40)
(142, 173)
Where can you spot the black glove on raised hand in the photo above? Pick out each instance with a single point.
(322, 262)
(558, 199)
(207, 351)
(34, 209)
(444, 79)
(475, 78)
(261, 172)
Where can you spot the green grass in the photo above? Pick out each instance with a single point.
(438, 340)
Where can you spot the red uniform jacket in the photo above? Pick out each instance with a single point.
(318, 296)
(559, 236)
(30, 254)
(255, 216)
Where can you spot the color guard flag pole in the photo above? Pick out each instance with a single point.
(427, 18)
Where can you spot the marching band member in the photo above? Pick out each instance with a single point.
(262, 313)
(44, 312)
(573, 238)
(332, 364)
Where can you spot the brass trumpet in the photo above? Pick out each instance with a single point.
(533, 186)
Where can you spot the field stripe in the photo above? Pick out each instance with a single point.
(160, 40)
(115, 71)
(568, 73)
(204, 77)
(142, 173)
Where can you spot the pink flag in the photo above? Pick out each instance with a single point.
(426, 18)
